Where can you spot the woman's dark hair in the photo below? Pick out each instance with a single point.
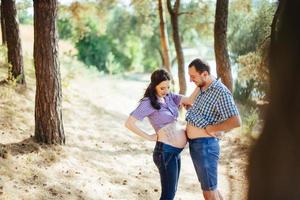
(200, 65)
(157, 77)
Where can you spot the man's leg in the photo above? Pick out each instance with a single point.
(205, 156)
(220, 196)
(212, 195)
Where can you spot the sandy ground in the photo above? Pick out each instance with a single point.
(101, 159)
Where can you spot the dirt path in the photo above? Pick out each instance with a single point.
(101, 159)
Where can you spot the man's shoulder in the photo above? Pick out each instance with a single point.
(220, 88)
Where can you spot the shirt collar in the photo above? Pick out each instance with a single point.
(212, 85)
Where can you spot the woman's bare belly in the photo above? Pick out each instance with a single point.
(173, 134)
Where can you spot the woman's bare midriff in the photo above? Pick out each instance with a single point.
(173, 134)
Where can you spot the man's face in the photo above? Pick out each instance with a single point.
(198, 78)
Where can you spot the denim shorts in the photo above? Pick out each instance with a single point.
(205, 154)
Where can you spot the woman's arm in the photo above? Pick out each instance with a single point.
(131, 125)
(190, 99)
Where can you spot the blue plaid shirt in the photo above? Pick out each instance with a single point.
(212, 106)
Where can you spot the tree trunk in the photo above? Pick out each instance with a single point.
(275, 160)
(164, 37)
(174, 13)
(3, 26)
(221, 52)
(14, 47)
(48, 111)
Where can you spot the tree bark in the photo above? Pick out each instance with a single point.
(3, 26)
(164, 37)
(275, 160)
(174, 12)
(14, 47)
(220, 36)
(48, 109)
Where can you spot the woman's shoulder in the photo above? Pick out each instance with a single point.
(173, 95)
(145, 99)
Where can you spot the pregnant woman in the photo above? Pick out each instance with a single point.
(161, 108)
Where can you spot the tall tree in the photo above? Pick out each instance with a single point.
(14, 47)
(174, 14)
(221, 52)
(3, 26)
(275, 160)
(48, 111)
(164, 37)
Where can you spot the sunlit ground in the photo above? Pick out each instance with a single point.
(101, 159)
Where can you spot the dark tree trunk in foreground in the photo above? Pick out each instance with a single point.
(14, 48)
(174, 13)
(221, 52)
(3, 32)
(274, 171)
(48, 111)
(164, 37)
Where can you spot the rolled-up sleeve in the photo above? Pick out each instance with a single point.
(176, 98)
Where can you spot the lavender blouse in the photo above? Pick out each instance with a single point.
(168, 112)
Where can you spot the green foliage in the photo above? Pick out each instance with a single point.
(130, 36)
(135, 38)
(151, 53)
(113, 67)
(248, 42)
(65, 27)
(121, 58)
(243, 91)
(3, 55)
(23, 13)
(251, 121)
(11, 79)
(8, 78)
(93, 50)
(247, 31)
(196, 22)
(101, 51)
(253, 68)
(122, 24)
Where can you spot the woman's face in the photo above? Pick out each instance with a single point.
(162, 89)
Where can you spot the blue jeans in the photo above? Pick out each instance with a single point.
(167, 160)
(205, 154)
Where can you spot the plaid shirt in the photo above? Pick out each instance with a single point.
(212, 106)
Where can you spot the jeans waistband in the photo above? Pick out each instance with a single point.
(204, 140)
(162, 147)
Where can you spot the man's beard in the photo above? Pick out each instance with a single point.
(202, 84)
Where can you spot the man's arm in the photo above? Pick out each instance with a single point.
(227, 125)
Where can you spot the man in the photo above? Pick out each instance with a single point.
(212, 114)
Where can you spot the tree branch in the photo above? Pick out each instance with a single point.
(185, 13)
(170, 9)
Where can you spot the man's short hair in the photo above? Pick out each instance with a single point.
(200, 65)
